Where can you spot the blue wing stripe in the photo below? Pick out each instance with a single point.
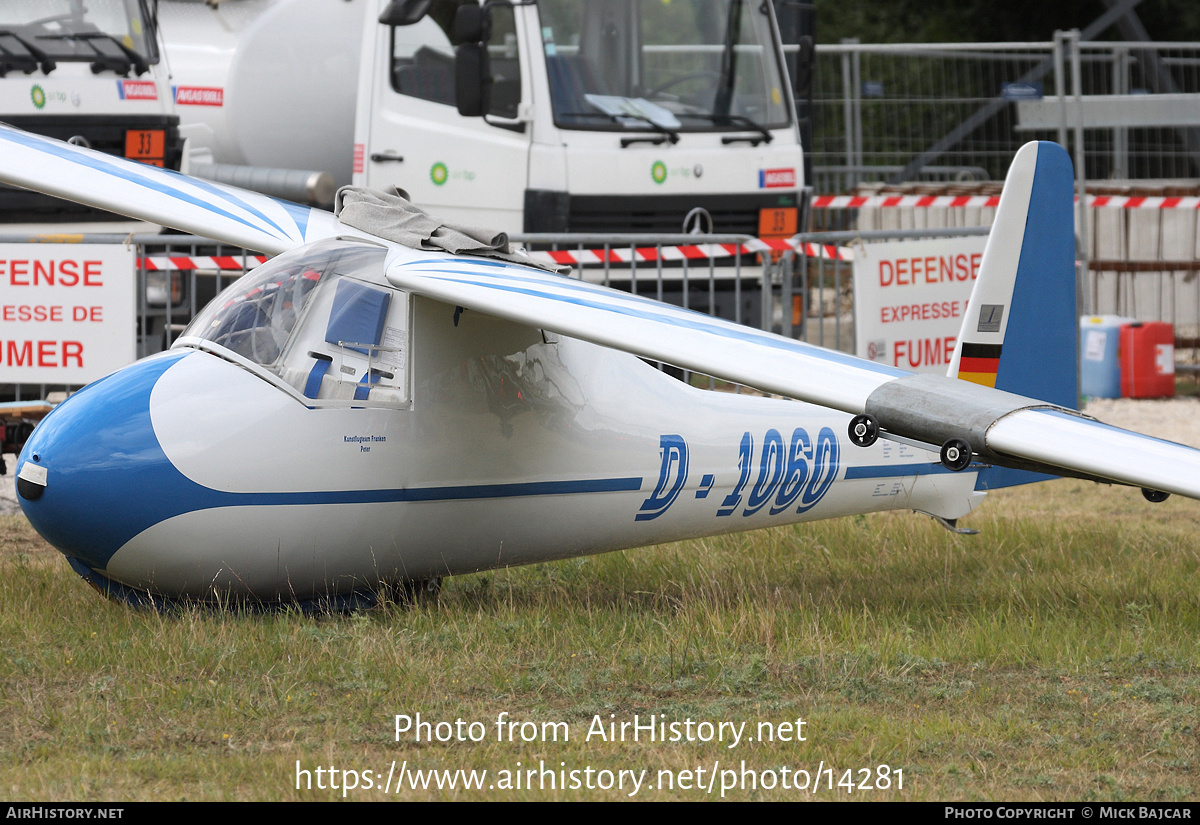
(662, 313)
(297, 213)
(149, 183)
(236, 201)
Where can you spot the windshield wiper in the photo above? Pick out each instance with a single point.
(36, 58)
(640, 111)
(665, 135)
(737, 121)
(135, 60)
(766, 136)
(129, 59)
(733, 31)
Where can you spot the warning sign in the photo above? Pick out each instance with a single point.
(66, 312)
(910, 298)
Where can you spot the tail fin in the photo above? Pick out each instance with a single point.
(1020, 330)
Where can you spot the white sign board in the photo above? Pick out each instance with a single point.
(66, 312)
(910, 298)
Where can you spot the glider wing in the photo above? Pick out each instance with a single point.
(148, 193)
(1033, 238)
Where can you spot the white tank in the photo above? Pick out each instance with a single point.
(268, 83)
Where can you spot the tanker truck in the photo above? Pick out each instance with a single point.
(92, 74)
(535, 116)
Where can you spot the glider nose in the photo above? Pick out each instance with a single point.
(87, 477)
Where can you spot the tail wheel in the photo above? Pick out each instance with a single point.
(1155, 496)
(863, 430)
(956, 455)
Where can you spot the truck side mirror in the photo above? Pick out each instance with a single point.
(472, 74)
(472, 79)
(471, 24)
(404, 12)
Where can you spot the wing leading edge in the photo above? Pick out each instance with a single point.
(1002, 428)
(148, 193)
(647, 328)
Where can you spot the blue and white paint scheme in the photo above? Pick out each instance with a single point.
(354, 414)
(147, 193)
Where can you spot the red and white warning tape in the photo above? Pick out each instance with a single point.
(706, 252)
(1142, 202)
(224, 263)
(943, 201)
(893, 201)
(689, 252)
(576, 257)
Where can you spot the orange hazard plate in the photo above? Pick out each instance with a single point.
(774, 223)
(146, 145)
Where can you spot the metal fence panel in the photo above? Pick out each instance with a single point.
(722, 275)
(920, 112)
(956, 112)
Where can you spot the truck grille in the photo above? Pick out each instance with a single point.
(647, 214)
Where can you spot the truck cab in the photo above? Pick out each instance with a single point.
(570, 116)
(88, 73)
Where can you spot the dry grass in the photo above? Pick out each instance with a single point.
(1054, 657)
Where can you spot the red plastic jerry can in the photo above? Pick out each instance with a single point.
(1148, 360)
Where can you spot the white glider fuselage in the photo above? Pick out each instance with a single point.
(486, 444)
(359, 411)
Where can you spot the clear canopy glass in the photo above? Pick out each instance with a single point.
(256, 315)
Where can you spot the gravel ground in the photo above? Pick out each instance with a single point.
(1175, 419)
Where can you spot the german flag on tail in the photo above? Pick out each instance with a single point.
(979, 363)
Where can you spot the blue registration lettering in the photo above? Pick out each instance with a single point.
(672, 475)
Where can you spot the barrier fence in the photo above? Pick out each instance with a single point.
(1145, 256)
(731, 276)
(1142, 252)
(799, 287)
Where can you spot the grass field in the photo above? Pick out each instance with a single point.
(1054, 657)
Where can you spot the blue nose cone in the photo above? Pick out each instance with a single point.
(102, 477)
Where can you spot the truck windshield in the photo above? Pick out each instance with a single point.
(654, 65)
(112, 35)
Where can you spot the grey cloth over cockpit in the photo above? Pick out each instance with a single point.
(393, 218)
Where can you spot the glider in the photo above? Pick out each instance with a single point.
(358, 413)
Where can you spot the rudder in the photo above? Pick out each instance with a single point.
(1019, 333)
